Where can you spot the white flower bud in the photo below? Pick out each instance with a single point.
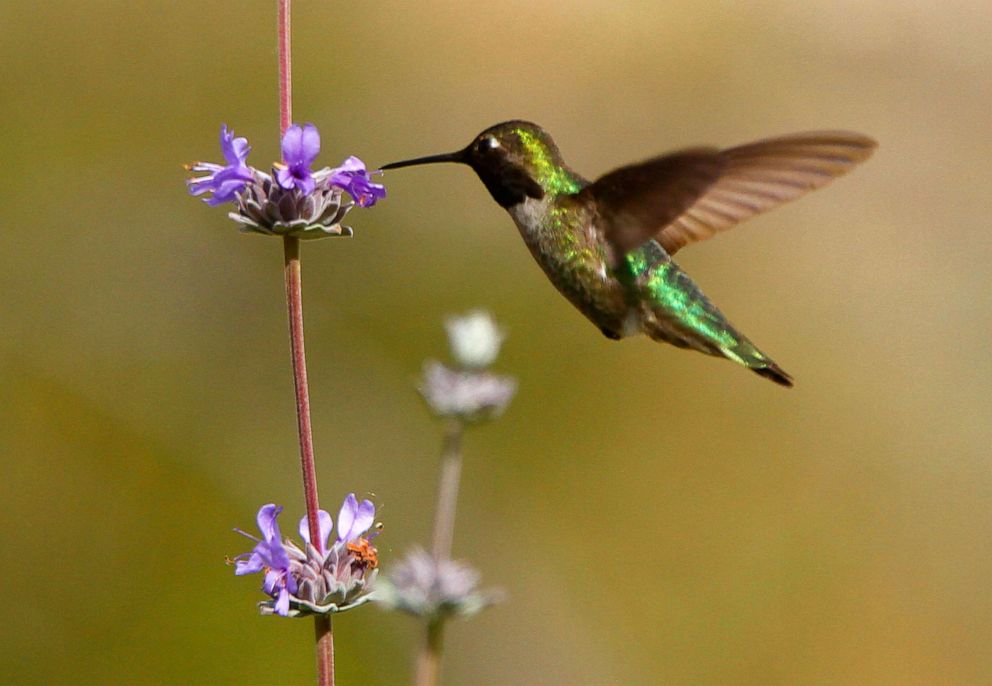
(474, 338)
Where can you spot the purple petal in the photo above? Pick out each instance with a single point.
(365, 518)
(354, 519)
(241, 149)
(353, 178)
(204, 184)
(325, 525)
(271, 583)
(371, 195)
(235, 149)
(224, 182)
(200, 186)
(282, 603)
(352, 164)
(267, 523)
(233, 174)
(252, 565)
(278, 557)
(292, 144)
(348, 170)
(285, 178)
(226, 137)
(225, 192)
(310, 144)
(296, 176)
(346, 517)
(306, 185)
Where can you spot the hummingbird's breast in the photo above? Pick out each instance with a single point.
(562, 235)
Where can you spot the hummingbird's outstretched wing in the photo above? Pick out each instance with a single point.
(714, 191)
(635, 202)
(760, 176)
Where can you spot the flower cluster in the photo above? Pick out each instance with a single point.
(293, 200)
(469, 393)
(321, 579)
(435, 590)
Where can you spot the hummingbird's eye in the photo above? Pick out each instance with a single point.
(486, 144)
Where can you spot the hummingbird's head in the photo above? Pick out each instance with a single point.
(516, 160)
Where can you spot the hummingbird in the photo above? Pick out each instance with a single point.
(607, 245)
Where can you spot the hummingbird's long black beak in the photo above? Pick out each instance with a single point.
(458, 156)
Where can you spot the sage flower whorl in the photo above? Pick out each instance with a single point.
(293, 200)
(321, 578)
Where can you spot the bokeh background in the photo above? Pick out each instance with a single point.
(655, 515)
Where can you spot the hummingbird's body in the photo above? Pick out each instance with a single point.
(606, 245)
(646, 293)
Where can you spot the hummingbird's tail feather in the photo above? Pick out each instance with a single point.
(741, 350)
(674, 310)
(747, 354)
(775, 373)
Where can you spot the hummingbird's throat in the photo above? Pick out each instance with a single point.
(508, 184)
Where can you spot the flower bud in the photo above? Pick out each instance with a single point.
(474, 338)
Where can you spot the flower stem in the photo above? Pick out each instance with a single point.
(429, 660)
(325, 650)
(447, 492)
(285, 68)
(294, 301)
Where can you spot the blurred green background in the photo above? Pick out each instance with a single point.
(656, 516)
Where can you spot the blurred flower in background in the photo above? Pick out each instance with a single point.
(474, 338)
(468, 393)
(432, 586)
(469, 396)
(435, 589)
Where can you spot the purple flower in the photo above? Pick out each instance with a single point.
(352, 177)
(294, 200)
(269, 556)
(324, 524)
(354, 519)
(224, 182)
(317, 578)
(300, 147)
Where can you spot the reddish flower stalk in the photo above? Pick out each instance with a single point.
(285, 69)
(294, 300)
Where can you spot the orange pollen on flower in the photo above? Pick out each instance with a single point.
(364, 552)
